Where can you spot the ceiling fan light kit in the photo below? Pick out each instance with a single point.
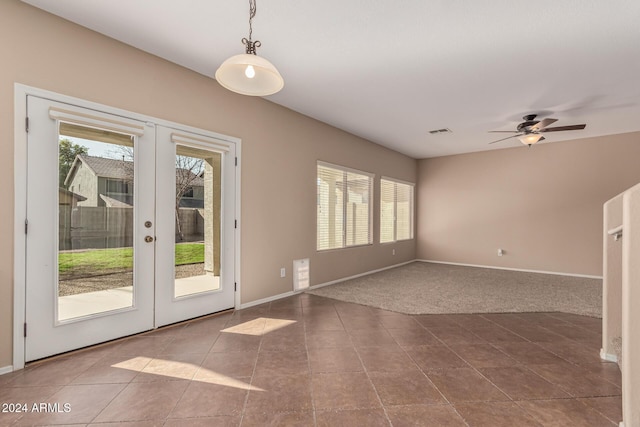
(530, 139)
(248, 73)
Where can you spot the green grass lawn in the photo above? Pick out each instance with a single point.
(189, 253)
(118, 259)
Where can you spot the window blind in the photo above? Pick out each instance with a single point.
(404, 211)
(387, 211)
(343, 207)
(396, 210)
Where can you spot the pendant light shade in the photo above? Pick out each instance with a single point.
(249, 74)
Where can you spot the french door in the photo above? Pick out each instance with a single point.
(130, 226)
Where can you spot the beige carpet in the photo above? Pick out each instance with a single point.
(428, 288)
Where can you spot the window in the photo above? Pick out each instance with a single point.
(343, 207)
(117, 186)
(188, 192)
(396, 210)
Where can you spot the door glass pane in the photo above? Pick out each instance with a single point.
(197, 224)
(95, 221)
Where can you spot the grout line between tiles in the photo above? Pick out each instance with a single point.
(366, 371)
(450, 404)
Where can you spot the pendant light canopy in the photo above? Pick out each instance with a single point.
(248, 73)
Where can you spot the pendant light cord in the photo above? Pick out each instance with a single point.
(252, 14)
(250, 44)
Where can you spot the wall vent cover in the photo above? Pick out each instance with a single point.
(300, 274)
(437, 131)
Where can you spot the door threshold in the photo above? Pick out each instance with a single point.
(122, 339)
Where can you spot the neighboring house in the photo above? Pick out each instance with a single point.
(69, 198)
(109, 183)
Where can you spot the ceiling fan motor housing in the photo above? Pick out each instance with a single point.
(524, 126)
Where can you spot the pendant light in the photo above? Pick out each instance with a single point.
(248, 73)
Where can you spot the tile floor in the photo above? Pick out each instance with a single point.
(312, 361)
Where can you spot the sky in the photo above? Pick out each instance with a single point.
(96, 148)
(113, 151)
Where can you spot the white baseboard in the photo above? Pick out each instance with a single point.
(586, 276)
(344, 279)
(291, 293)
(608, 357)
(366, 273)
(6, 369)
(268, 299)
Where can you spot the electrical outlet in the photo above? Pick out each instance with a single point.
(500, 252)
(283, 272)
(393, 251)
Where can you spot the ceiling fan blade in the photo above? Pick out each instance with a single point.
(543, 124)
(561, 128)
(512, 136)
(503, 131)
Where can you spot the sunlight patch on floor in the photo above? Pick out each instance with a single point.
(259, 326)
(182, 370)
(211, 377)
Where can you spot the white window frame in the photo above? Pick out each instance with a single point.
(395, 209)
(345, 170)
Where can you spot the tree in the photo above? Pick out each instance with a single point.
(188, 170)
(66, 155)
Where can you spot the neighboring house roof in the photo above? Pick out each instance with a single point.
(108, 168)
(192, 177)
(120, 169)
(66, 193)
(111, 202)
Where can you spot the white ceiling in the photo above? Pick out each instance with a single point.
(391, 71)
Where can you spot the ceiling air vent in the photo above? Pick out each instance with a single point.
(437, 131)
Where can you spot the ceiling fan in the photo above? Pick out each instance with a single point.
(529, 131)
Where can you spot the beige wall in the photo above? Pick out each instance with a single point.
(279, 148)
(543, 205)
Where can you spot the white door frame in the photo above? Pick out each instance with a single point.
(169, 308)
(20, 197)
(50, 332)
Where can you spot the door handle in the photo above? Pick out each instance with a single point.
(148, 239)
